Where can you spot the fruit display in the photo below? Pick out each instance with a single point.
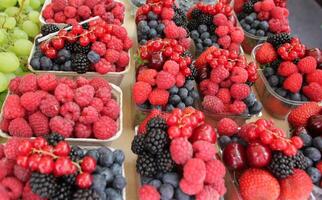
(81, 108)
(266, 162)
(92, 47)
(214, 25)
(177, 157)
(290, 72)
(185, 5)
(74, 11)
(161, 19)
(225, 79)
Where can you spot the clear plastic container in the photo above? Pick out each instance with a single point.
(276, 105)
(135, 6)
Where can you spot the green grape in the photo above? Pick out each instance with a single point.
(30, 28)
(9, 62)
(10, 23)
(3, 18)
(3, 37)
(11, 11)
(8, 3)
(19, 34)
(42, 2)
(10, 76)
(26, 3)
(4, 82)
(34, 16)
(35, 4)
(22, 47)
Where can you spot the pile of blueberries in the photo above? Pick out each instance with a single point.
(151, 28)
(253, 105)
(203, 38)
(138, 3)
(252, 25)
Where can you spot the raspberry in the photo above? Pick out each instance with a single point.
(39, 123)
(190, 188)
(165, 80)
(219, 186)
(7, 165)
(3, 193)
(2, 151)
(81, 81)
(167, 13)
(69, 82)
(118, 11)
(214, 170)
(10, 148)
(141, 92)
(89, 115)
(277, 13)
(59, 5)
(112, 56)
(237, 107)
(124, 59)
(237, 36)
(208, 193)
(194, 171)
(172, 67)
(99, 10)
(75, 3)
(47, 82)
(104, 94)
(127, 44)
(219, 74)
(224, 41)
(30, 101)
(148, 76)
(64, 93)
(27, 194)
(61, 126)
(71, 21)
(111, 109)
(224, 95)
(185, 42)
(99, 83)
(287, 68)
(180, 80)
(159, 97)
(221, 31)
(59, 17)
(12, 108)
(82, 130)
(307, 65)
(21, 173)
(148, 192)
(70, 110)
(84, 95)
(48, 12)
(14, 85)
(49, 106)
(84, 12)
(234, 47)
(293, 83)
(4, 124)
(227, 126)
(104, 128)
(97, 103)
(181, 150)
(211, 89)
(70, 11)
(104, 67)
(226, 84)
(91, 3)
(99, 48)
(220, 19)
(239, 75)
(212, 104)
(13, 186)
(115, 43)
(19, 127)
(266, 53)
(267, 5)
(315, 77)
(28, 83)
(119, 32)
(204, 150)
(239, 91)
(313, 91)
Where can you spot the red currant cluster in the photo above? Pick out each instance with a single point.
(38, 155)
(153, 5)
(156, 52)
(221, 7)
(265, 132)
(293, 50)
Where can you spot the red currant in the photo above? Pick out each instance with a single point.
(77, 29)
(99, 31)
(25, 148)
(39, 142)
(33, 162)
(297, 142)
(62, 149)
(63, 166)
(172, 120)
(46, 165)
(62, 33)
(71, 37)
(51, 53)
(186, 131)
(290, 150)
(57, 43)
(44, 46)
(88, 164)
(174, 132)
(22, 161)
(266, 137)
(84, 180)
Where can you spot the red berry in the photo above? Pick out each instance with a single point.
(22, 161)
(57, 43)
(46, 165)
(62, 33)
(84, 41)
(64, 166)
(84, 180)
(278, 144)
(290, 150)
(24, 148)
(77, 29)
(51, 53)
(71, 37)
(258, 155)
(172, 120)
(44, 46)
(39, 142)
(33, 162)
(186, 131)
(174, 132)
(266, 137)
(297, 142)
(62, 149)
(88, 164)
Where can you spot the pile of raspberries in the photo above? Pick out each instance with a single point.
(74, 11)
(81, 108)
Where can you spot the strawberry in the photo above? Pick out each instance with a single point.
(258, 184)
(296, 187)
(293, 83)
(307, 65)
(266, 53)
(315, 77)
(313, 91)
(300, 115)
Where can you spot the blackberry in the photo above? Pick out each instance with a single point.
(193, 24)
(164, 162)
(69, 46)
(43, 185)
(137, 146)
(203, 73)
(254, 1)
(206, 19)
(54, 138)
(157, 123)
(76, 153)
(278, 39)
(187, 54)
(70, 179)
(63, 191)
(194, 72)
(248, 7)
(281, 165)
(77, 48)
(212, 28)
(155, 141)
(88, 194)
(300, 161)
(49, 28)
(80, 63)
(146, 166)
(196, 13)
(180, 18)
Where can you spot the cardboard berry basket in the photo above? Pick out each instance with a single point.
(117, 94)
(112, 77)
(275, 104)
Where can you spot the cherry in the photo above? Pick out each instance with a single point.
(234, 156)
(39, 142)
(84, 180)
(33, 162)
(258, 155)
(88, 164)
(22, 161)
(204, 132)
(62, 149)
(25, 148)
(46, 165)
(51, 53)
(315, 125)
(57, 43)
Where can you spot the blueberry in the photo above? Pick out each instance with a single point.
(67, 66)
(307, 139)
(181, 105)
(317, 142)
(256, 108)
(260, 33)
(56, 67)
(143, 42)
(152, 16)
(183, 93)
(263, 25)
(295, 96)
(93, 153)
(314, 173)
(104, 150)
(93, 57)
(268, 71)
(250, 100)
(35, 63)
(205, 35)
(255, 24)
(181, 195)
(166, 191)
(194, 94)
(175, 99)
(119, 156)
(112, 194)
(199, 46)
(145, 29)
(169, 108)
(155, 183)
(142, 24)
(157, 107)
(199, 40)
(108, 174)
(224, 141)
(242, 22)
(253, 15)
(153, 33)
(202, 28)
(213, 38)
(160, 28)
(116, 169)
(65, 53)
(207, 42)
(153, 24)
(194, 34)
(45, 63)
(171, 178)
(313, 153)
(119, 182)
(189, 85)
(309, 161)
(106, 159)
(145, 180)
(281, 80)
(249, 19)
(281, 92)
(251, 31)
(101, 194)
(174, 90)
(188, 101)
(99, 182)
(273, 81)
